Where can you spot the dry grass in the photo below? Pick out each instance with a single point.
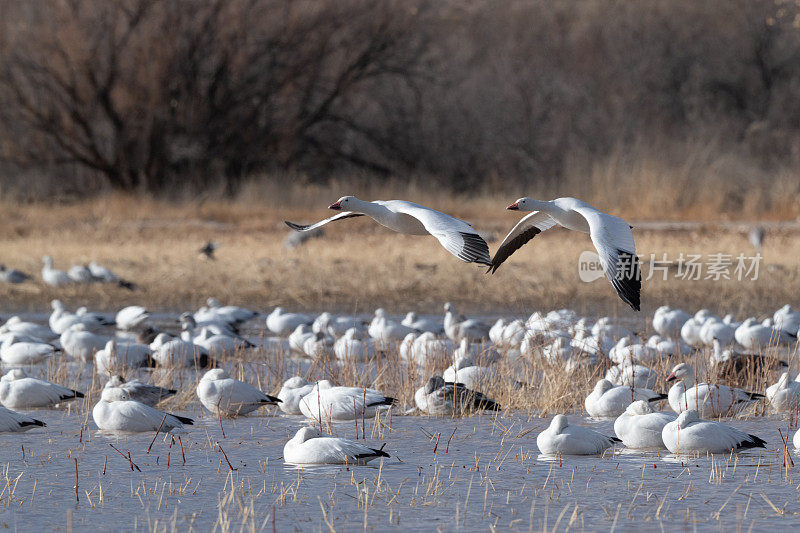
(358, 265)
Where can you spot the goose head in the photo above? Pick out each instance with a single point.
(215, 374)
(687, 417)
(345, 203)
(14, 374)
(449, 308)
(639, 407)
(115, 394)
(306, 433)
(681, 371)
(295, 382)
(434, 383)
(559, 424)
(57, 305)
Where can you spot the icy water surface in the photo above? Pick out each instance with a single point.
(469, 474)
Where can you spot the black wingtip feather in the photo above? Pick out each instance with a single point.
(296, 227)
(183, 419)
(754, 442)
(628, 282)
(33, 422)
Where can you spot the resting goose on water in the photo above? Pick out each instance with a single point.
(458, 237)
(610, 235)
(310, 446)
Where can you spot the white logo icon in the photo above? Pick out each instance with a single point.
(589, 266)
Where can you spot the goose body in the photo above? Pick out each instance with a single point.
(291, 393)
(457, 327)
(131, 317)
(784, 396)
(640, 427)
(326, 402)
(282, 323)
(310, 446)
(52, 276)
(458, 237)
(14, 352)
(353, 347)
(423, 324)
(140, 392)
(562, 439)
(668, 322)
(690, 434)
(225, 396)
(120, 357)
(178, 353)
(30, 329)
(629, 374)
(12, 275)
(81, 344)
(608, 401)
(116, 411)
(706, 399)
(439, 397)
(18, 391)
(299, 336)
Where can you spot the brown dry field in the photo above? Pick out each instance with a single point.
(358, 265)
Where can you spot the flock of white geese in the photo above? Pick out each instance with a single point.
(471, 346)
(117, 347)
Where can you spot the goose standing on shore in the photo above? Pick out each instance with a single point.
(610, 235)
(457, 236)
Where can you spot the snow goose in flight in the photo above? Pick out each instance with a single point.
(225, 396)
(610, 235)
(18, 391)
(458, 237)
(439, 397)
(310, 446)
(140, 392)
(639, 427)
(690, 434)
(12, 421)
(116, 411)
(708, 400)
(608, 401)
(562, 439)
(52, 276)
(326, 402)
(291, 393)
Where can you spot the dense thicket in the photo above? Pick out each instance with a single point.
(149, 95)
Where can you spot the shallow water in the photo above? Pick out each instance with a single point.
(467, 474)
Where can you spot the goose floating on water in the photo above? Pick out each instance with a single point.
(116, 411)
(140, 392)
(310, 446)
(708, 400)
(562, 439)
(640, 427)
(18, 391)
(690, 434)
(225, 396)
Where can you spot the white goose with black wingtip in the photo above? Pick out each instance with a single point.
(310, 446)
(690, 434)
(611, 236)
(18, 391)
(457, 236)
(116, 411)
(562, 439)
(607, 401)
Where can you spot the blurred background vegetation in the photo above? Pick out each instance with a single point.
(686, 105)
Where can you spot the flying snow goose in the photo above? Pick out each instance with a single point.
(291, 393)
(608, 401)
(140, 392)
(16, 352)
(784, 395)
(18, 391)
(81, 344)
(14, 422)
(610, 235)
(116, 411)
(12, 275)
(458, 237)
(439, 397)
(282, 323)
(639, 427)
(120, 357)
(458, 327)
(225, 396)
(326, 402)
(310, 446)
(131, 317)
(52, 276)
(708, 400)
(562, 439)
(689, 434)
